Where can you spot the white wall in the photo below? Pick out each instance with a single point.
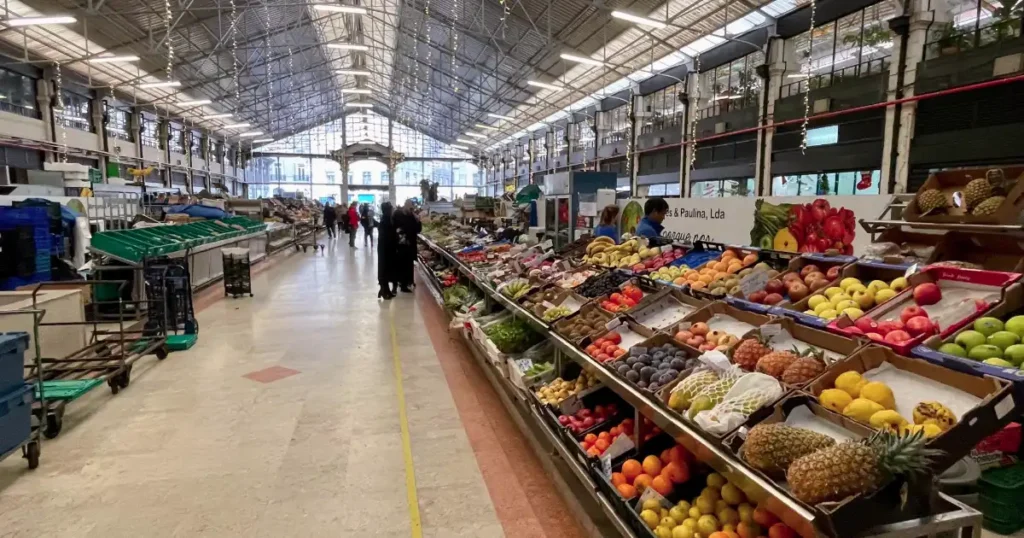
(177, 159)
(153, 154)
(79, 139)
(22, 127)
(128, 149)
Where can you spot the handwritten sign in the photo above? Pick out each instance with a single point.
(755, 281)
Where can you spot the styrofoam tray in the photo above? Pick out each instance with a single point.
(629, 338)
(802, 417)
(786, 341)
(911, 389)
(958, 303)
(663, 314)
(729, 325)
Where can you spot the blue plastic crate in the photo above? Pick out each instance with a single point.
(11, 217)
(12, 360)
(15, 418)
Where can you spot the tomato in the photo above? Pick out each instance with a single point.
(604, 357)
(614, 432)
(630, 302)
(590, 439)
(604, 435)
(635, 294)
(618, 353)
(616, 298)
(600, 342)
(591, 349)
(614, 338)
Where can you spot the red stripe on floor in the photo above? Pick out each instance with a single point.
(525, 500)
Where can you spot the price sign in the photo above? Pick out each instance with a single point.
(753, 282)
(910, 270)
(648, 494)
(570, 405)
(613, 324)
(619, 446)
(606, 465)
(770, 330)
(547, 245)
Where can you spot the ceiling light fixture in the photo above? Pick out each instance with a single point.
(465, 141)
(113, 59)
(642, 21)
(361, 91)
(164, 84)
(727, 97)
(476, 135)
(237, 126)
(456, 146)
(544, 85)
(261, 140)
(251, 133)
(217, 116)
(796, 75)
(332, 8)
(196, 102)
(37, 21)
(353, 72)
(359, 105)
(499, 116)
(581, 59)
(487, 127)
(347, 46)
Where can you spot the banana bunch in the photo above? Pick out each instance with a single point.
(599, 244)
(603, 251)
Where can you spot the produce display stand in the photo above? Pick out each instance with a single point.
(16, 428)
(949, 516)
(109, 356)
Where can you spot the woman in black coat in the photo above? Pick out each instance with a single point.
(408, 227)
(387, 253)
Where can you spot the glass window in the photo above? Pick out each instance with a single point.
(974, 23)
(150, 126)
(367, 178)
(175, 137)
(18, 94)
(732, 86)
(848, 183)
(612, 125)
(330, 177)
(559, 141)
(722, 188)
(75, 114)
(118, 122)
(540, 150)
(197, 144)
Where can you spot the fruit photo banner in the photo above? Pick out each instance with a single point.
(788, 223)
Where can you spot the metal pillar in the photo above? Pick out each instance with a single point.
(692, 106)
(392, 165)
(777, 62)
(44, 98)
(920, 21)
(344, 164)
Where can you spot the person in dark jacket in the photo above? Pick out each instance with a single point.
(330, 216)
(369, 222)
(655, 210)
(387, 253)
(408, 227)
(353, 224)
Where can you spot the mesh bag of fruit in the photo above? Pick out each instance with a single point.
(748, 394)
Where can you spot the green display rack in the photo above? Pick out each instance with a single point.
(137, 244)
(67, 389)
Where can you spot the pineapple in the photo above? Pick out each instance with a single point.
(804, 369)
(749, 352)
(988, 207)
(771, 448)
(976, 191)
(775, 363)
(931, 200)
(857, 467)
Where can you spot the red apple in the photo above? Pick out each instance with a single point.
(808, 269)
(897, 337)
(797, 292)
(912, 311)
(920, 325)
(854, 330)
(927, 293)
(758, 296)
(866, 324)
(774, 286)
(886, 327)
(817, 275)
(792, 276)
(773, 298)
(876, 337)
(832, 273)
(818, 284)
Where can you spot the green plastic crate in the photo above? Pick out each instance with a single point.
(181, 342)
(67, 389)
(1005, 528)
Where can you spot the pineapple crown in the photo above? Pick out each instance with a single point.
(814, 353)
(902, 454)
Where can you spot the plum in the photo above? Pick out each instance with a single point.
(633, 376)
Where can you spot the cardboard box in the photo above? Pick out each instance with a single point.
(562, 325)
(982, 281)
(652, 292)
(951, 184)
(718, 308)
(795, 265)
(993, 412)
(987, 251)
(673, 299)
(565, 297)
(836, 347)
(913, 247)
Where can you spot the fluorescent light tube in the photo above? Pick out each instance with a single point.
(252, 133)
(544, 85)
(347, 46)
(359, 105)
(360, 91)
(259, 140)
(499, 116)
(796, 75)
(196, 102)
(487, 127)
(476, 135)
(727, 97)
(237, 126)
(456, 146)
(164, 84)
(113, 59)
(333, 8)
(465, 141)
(217, 116)
(353, 72)
(642, 21)
(581, 59)
(37, 21)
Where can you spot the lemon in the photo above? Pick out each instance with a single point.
(690, 522)
(816, 300)
(683, 531)
(832, 292)
(703, 505)
(651, 504)
(695, 513)
(677, 514)
(728, 516)
(711, 493)
(720, 505)
(650, 518)
(850, 290)
(684, 506)
(707, 525)
(746, 511)
(667, 522)
(732, 494)
(663, 532)
(716, 480)
(823, 307)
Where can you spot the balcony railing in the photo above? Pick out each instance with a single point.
(863, 69)
(660, 122)
(746, 100)
(951, 40)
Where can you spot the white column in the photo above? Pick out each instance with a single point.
(692, 104)
(777, 63)
(920, 21)
(44, 95)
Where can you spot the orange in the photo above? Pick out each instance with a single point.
(627, 491)
(678, 473)
(748, 530)
(764, 518)
(720, 266)
(781, 530)
(698, 285)
(618, 479)
(662, 485)
(652, 465)
(707, 279)
(590, 439)
(642, 482)
(718, 534)
(601, 445)
(679, 455)
(631, 469)
(734, 268)
(692, 276)
(665, 456)
(750, 259)
(593, 452)
(604, 436)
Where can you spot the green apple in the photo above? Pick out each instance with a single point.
(1003, 339)
(988, 326)
(985, 351)
(954, 349)
(999, 362)
(1015, 354)
(1016, 325)
(970, 339)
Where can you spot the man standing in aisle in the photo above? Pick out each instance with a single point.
(353, 224)
(654, 213)
(329, 217)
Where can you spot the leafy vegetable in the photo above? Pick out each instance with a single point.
(512, 335)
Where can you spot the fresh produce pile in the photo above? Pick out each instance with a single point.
(874, 404)
(654, 369)
(852, 298)
(575, 278)
(794, 286)
(606, 347)
(622, 301)
(656, 258)
(459, 296)
(541, 296)
(447, 278)
(981, 196)
(702, 338)
(792, 367)
(991, 341)
(559, 389)
(555, 313)
(516, 288)
(512, 335)
(670, 273)
(603, 251)
(595, 445)
(587, 418)
(585, 323)
(571, 248)
(600, 285)
(661, 473)
(721, 277)
(538, 369)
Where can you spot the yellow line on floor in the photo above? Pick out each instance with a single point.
(410, 473)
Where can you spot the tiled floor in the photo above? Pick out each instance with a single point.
(284, 421)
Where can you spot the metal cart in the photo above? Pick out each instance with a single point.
(237, 271)
(309, 240)
(108, 356)
(18, 417)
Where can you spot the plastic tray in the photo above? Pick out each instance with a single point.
(66, 389)
(12, 360)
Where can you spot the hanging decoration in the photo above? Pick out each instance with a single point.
(270, 68)
(630, 120)
(455, 44)
(807, 78)
(234, 56)
(692, 105)
(60, 111)
(168, 40)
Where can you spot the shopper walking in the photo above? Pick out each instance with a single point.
(330, 216)
(369, 223)
(387, 253)
(408, 227)
(353, 224)
(607, 226)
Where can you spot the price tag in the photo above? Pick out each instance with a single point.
(613, 324)
(570, 405)
(649, 493)
(684, 326)
(716, 360)
(910, 270)
(547, 305)
(619, 446)
(755, 281)
(547, 245)
(524, 364)
(770, 330)
(638, 350)
(606, 465)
